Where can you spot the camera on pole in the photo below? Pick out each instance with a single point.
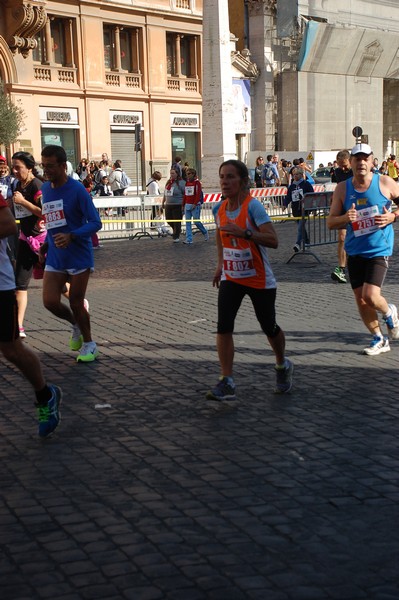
(137, 137)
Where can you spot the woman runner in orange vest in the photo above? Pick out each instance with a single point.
(244, 231)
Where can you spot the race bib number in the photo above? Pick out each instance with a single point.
(365, 223)
(238, 263)
(297, 195)
(53, 213)
(21, 211)
(169, 192)
(189, 190)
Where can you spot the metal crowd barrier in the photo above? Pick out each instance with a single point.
(315, 209)
(132, 217)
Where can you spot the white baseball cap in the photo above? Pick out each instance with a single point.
(361, 149)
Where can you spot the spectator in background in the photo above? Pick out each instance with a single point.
(103, 188)
(393, 167)
(173, 202)
(192, 202)
(94, 169)
(153, 190)
(376, 167)
(295, 193)
(83, 169)
(185, 168)
(177, 166)
(284, 173)
(259, 164)
(383, 168)
(89, 187)
(115, 179)
(153, 185)
(270, 176)
(71, 172)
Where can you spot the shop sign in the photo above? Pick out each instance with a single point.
(124, 118)
(184, 121)
(54, 115)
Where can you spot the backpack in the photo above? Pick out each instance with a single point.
(269, 173)
(125, 181)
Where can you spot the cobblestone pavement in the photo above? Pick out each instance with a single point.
(148, 491)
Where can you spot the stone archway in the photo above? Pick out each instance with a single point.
(8, 71)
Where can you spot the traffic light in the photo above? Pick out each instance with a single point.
(137, 137)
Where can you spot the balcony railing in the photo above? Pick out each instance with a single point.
(176, 84)
(182, 4)
(130, 80)
(55, 74)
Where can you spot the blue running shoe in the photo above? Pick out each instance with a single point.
(284, 378)
(222, 391)
(48, 414)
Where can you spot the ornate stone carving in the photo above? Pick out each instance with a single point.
(262, 6)
(24, 20)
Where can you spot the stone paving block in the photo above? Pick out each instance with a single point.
(164, 495)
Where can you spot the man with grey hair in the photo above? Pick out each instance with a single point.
(362, 204)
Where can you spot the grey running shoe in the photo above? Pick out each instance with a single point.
(378, 345)
(296, 248)
(392, 322)
(284, 378)
(222, 391)
(338, 275)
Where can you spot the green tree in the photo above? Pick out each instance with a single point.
(11, 119)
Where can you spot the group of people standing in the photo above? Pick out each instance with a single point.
(278, 173)
(103, 178)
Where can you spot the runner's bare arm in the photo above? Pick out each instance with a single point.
(337, 219)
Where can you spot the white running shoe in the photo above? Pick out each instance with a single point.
(378, 345)
(88, 352)
(76, 339)
(392, 322)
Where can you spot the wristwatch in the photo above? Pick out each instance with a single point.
(248, 234)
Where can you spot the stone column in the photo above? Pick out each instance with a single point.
(117, 55)
(218, 137)
(261, 36)
(49, 44)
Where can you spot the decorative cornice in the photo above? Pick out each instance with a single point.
(24, 20)
(240, 60)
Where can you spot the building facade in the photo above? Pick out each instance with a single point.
(102, 76)
(325, 67)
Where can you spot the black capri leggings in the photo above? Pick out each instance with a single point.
(231, 295)
(26, 260)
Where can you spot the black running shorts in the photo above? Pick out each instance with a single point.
(367, 270)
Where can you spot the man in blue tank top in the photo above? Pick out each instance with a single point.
(362, 203)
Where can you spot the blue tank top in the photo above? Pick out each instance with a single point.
(376, 243)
